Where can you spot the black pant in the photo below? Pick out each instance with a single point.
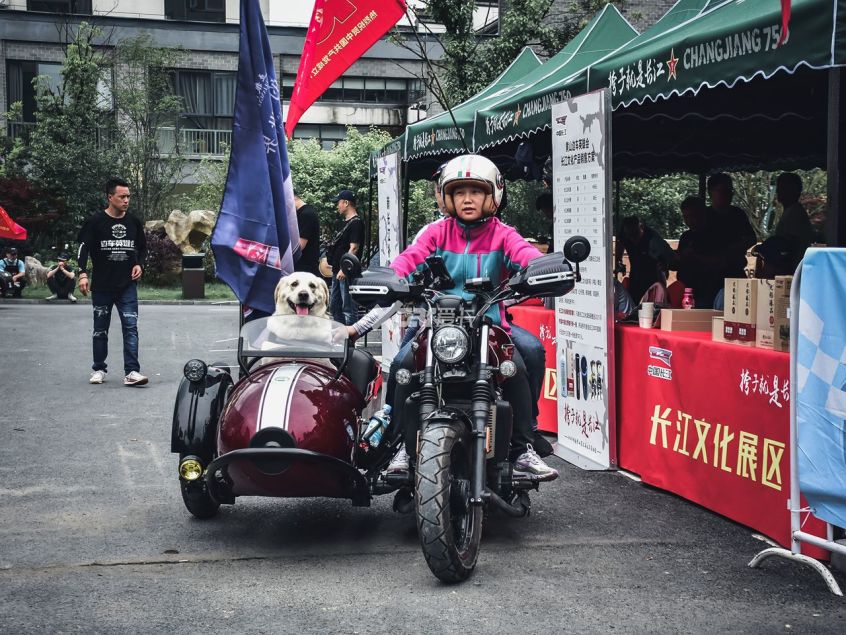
(61, 288)
(515, 390)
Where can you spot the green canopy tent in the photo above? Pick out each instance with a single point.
(526, 112)
(718, 92)
(448, 133)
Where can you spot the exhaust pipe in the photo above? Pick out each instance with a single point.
(519, 510)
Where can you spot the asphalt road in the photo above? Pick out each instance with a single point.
(94, 536)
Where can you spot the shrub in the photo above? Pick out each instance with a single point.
(164, 260)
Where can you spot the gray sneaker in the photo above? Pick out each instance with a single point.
(97, 377)
(530, 465)
(51, 297)
(400, 461)
(71, 297)
(134, 379)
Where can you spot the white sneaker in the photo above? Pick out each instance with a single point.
(134, 379)
(530, 465)
(97, 377)
(400, 461)
(52, 297)
(71, 297)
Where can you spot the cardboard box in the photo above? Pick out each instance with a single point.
(781, 314)
(764, 319)
(741, 304)
(717, 333)
(687, 319)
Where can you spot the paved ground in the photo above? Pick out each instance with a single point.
(94, 537)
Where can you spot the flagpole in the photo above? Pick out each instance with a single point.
(435, 77)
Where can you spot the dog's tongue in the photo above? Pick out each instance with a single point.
(302, 310)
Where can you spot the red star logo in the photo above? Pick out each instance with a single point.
(671, 66)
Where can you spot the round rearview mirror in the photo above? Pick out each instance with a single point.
(351, 266)
(577, 249)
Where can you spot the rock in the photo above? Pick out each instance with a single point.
(190, 231)
(36, 273)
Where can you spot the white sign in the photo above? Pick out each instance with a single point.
(584, 318)
(389, 243)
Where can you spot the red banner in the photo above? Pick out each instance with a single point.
(340, 32)
(9, 228)
(710, 422)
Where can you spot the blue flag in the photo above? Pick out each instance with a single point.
(256, 238)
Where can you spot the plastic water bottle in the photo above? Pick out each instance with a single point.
(687, 300)
(377, 425)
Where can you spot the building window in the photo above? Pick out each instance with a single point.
(364, 90)
(208, 98)
(20, 86)
(76, 7)
(327, 135)
(196, 10)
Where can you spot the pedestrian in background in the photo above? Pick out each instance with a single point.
(13, 270)
(309, 225)
(61, 279)
(348, 240)
(114, 239)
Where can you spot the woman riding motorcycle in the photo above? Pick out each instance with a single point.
(473, 244)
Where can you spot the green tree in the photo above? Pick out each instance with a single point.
(147, 114)
(69, 153)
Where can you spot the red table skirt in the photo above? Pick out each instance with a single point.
(540, 322)
(710, 422)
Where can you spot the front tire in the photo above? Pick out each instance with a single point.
(198, 501)
(449, 527)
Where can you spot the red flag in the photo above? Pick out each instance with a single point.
(9, 228)
(785, 22)
(340, 32)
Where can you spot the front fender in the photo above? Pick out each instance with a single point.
(196, 414)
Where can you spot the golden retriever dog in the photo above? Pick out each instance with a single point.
(302, 299)
(301, 293)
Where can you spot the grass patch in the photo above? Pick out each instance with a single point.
(214, 291)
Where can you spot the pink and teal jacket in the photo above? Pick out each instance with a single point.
(487, 248)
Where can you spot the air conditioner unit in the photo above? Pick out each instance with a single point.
(4, 4)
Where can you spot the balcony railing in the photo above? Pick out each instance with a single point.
(195, 142)
(23, 130)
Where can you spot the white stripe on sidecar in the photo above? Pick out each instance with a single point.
(277, 396)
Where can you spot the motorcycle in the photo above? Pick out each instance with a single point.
(295, 424)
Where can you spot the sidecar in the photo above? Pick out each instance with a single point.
(289, 427)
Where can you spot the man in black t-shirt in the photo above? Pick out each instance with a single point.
(731, 224)
(114, 239)
(349, 239)
(309, 237)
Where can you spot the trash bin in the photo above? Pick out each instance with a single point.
(193, 276)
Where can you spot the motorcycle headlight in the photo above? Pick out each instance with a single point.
(195, 370)
(450, 344)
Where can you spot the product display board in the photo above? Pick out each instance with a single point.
(389, 243)
(581, 139)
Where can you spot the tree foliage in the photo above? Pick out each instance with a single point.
(146, 108)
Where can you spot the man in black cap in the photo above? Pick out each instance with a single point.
(13, 270)
(62, 279)
(348, 240)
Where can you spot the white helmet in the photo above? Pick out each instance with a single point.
(476, 169)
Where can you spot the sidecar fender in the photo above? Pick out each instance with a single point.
(197, 412)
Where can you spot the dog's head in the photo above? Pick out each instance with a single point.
(301, 293)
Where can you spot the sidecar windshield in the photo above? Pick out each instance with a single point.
(293, 336)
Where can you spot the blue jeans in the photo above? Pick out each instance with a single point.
(341, 304)
(534, 356)
(126, 301)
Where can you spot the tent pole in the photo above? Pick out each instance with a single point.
(835, 233)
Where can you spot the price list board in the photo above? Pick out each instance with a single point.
(581, 173)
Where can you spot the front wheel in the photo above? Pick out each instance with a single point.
(449, 527)
(198, 501)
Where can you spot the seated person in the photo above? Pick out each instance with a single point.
(472, 190)
(698, 258)
(62, 279)
(776, 256)
(12, 274)
(648, 253)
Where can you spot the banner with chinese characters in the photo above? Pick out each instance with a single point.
(821, 373)
(390, 221)
(709, 422)
(581, 172)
